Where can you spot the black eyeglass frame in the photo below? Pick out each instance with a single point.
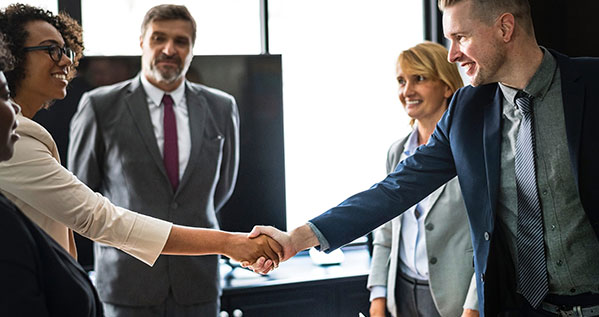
(53, 48)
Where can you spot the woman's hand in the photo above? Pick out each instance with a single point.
(243, 249)
(378, 307)
(470, 313)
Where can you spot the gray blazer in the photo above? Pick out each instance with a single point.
(114, 151)
(451, 277)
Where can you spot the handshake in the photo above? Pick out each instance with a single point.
(265, 247)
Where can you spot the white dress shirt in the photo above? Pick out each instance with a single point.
(154, 98)
(412, 249)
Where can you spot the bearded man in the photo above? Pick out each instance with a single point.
(169, 147)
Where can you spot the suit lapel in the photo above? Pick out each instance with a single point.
(432, 199)
(492, 144)
(138, 106)
(196, 107)
(573, 102)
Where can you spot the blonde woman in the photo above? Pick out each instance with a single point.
(422, 261)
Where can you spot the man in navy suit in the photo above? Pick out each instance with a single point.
(476, 139)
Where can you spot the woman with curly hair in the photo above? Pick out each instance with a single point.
(37, 276)
(46, 49)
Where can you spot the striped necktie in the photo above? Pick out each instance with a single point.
(532, 266)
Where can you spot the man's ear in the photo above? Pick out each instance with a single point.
(507, 23)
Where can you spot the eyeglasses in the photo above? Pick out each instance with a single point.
(54, 51)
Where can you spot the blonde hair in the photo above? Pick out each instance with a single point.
(430, 60)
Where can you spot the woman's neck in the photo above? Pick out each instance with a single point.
(427, 124)
(424, 133)
(28, 107)
(426, 127)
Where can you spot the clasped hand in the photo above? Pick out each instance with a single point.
(249, 251)
(286, 250)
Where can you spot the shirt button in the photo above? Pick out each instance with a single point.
(559, 263)
(433, 260)
(430, 227)
(487, 236)
(482, 277)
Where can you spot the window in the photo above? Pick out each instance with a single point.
(224, 27)
(340, 96)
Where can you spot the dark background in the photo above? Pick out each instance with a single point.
(568, 26)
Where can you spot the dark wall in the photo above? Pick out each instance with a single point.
(568, 26)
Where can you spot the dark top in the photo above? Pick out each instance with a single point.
(37, 276)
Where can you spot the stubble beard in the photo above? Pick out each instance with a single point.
(166, 74)
(490, 73)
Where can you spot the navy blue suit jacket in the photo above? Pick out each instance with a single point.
(467, 142)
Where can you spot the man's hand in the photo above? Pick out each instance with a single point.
(299, 239)
(283, 238)
(378, 307)
(263, 265)
(245, 250)
(470, 313)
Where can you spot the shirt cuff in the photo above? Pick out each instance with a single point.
(147, 238)
(322, 241)
(377, 291)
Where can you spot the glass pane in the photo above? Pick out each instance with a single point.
(225, 27)
(340, 95)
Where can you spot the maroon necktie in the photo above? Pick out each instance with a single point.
(171, 149)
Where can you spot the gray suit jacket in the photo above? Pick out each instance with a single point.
(114, 151)
(448, 247)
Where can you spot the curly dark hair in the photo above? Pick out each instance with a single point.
(13, 20)
(6, 59)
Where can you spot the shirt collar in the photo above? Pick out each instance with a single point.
(412, 142)
(155, 94)
(539, 83)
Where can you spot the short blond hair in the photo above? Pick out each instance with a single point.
(430, 60)
(488, 10)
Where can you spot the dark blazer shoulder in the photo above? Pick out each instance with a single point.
(111, 95)
(113, 89)
(218, 102)
(468, 94)
(214, 97)
(575, 68)
(208, 91)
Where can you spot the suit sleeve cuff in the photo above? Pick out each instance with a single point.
(322, 241)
